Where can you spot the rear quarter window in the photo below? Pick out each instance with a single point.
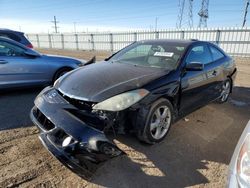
(216, 54)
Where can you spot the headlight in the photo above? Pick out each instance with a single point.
(243, 163)
(122, 101)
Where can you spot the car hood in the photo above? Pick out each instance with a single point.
(99, 81)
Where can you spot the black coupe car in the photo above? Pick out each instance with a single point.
(143, 88)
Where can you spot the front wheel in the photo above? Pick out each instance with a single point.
(156, 121)
(225, 91)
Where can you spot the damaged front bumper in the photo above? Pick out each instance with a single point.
(79, 146)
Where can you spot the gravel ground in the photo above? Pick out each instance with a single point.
(196, 152)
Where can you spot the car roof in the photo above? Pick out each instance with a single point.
(10, 31)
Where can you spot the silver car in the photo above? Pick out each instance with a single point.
(239, 167)
(21, 66)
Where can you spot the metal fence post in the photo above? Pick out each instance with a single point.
(135, 37)
(77, 44)
(156, 34)
(182, 34)
(217, 40)
(62, 40)
(37, 40)
(111, 42)
(92, 42)
(50, 42)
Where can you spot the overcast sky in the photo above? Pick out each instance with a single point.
(34, 16)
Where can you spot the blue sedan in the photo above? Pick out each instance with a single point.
(21, 66)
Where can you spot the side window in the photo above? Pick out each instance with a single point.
(200, 54)
(7, 49)
(216, 53)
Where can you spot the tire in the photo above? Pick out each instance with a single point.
(152, 124)
(225, 91)
(60, 73)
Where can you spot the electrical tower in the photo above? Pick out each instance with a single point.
(203, 13)
(245, 13)
(55, 22)
(190, 14)
(185, 16)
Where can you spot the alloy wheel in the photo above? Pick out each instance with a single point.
(225, 91)
(160, 122)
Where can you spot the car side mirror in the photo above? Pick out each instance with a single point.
(194, 66)
(91, 61)
(31, 53)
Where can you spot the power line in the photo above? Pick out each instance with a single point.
(156, 23)
(180, 15)
(190, 14)
(55, 24)
(245, 13)
(184, 7)
(203, 13)
(75, 27)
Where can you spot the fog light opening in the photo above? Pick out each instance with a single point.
(67, 141)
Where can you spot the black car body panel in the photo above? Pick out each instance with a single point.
(108, 78)
(198, 88)
(56, 122)
(69, 104)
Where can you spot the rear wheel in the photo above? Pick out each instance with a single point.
(225, 91)
(157, 121)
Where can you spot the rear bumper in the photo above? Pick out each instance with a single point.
(88, 147)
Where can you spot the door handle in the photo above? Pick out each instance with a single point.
(3, 62)
(214, 73)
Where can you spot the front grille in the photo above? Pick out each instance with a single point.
(81, 105)
(45, 123)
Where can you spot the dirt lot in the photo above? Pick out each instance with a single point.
(196, 152)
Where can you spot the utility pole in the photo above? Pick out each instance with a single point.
(185, 8)
(156, 23)
(55, 22)
(75, 27)
(203, 13)
(150, 27)
(245, 13)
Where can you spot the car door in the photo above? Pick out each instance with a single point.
(216, 71)
(195, 85)
(18, 69)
